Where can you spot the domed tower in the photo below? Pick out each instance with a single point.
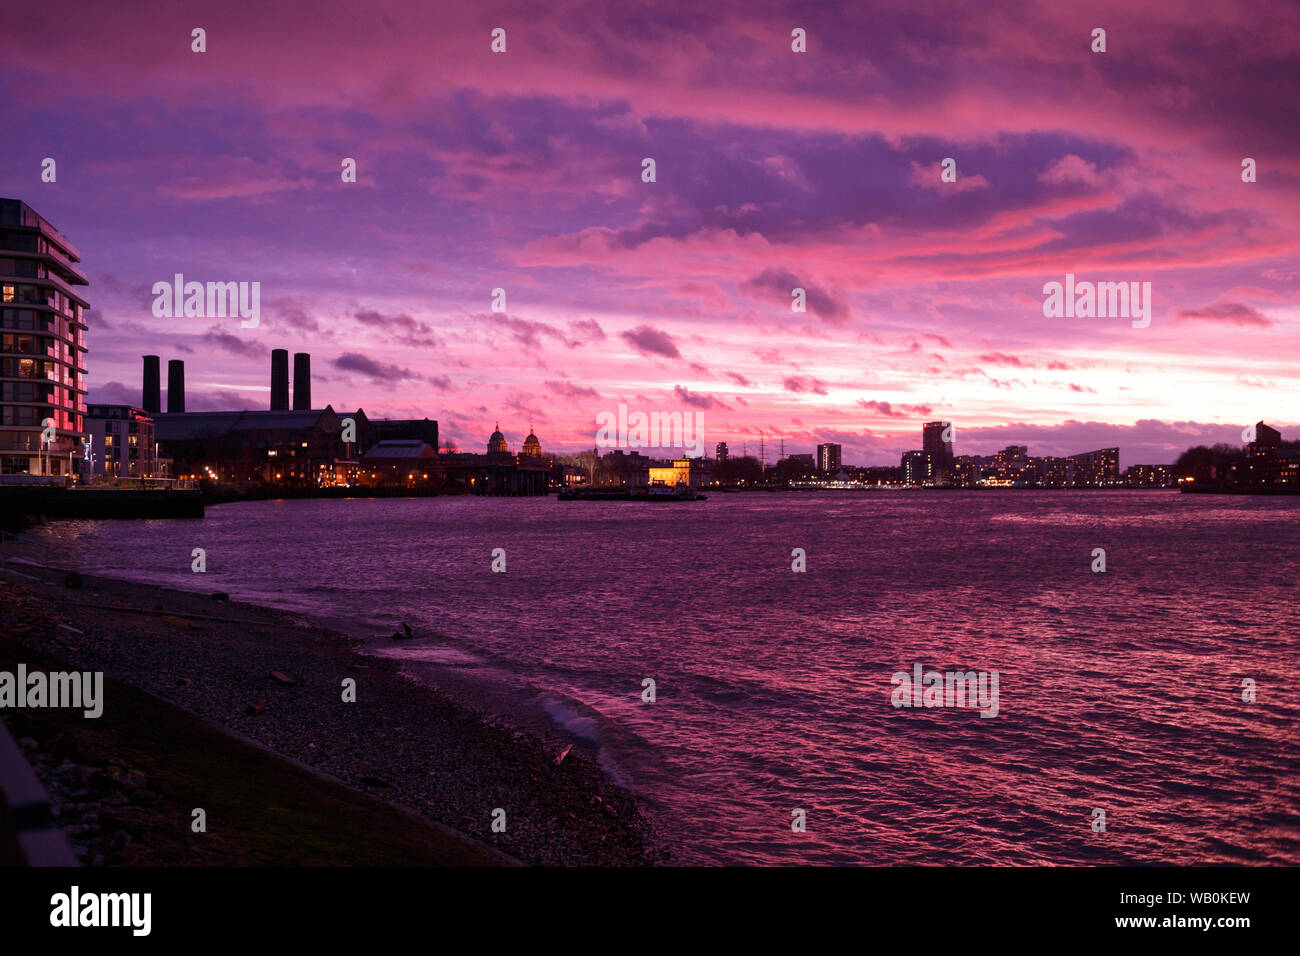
(532, 447)
(497, 443)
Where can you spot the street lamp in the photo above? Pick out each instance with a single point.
(47, 443)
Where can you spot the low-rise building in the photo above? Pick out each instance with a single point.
(281, 446)
(630, 469)
(121, 443)
(499, 472)
(692, 472)
(406, 462)
(1149, 476)
(1268, 463)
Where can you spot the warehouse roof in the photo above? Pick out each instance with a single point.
(183, 426)
(403, 449)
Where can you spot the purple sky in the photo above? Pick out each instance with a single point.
(522, 171)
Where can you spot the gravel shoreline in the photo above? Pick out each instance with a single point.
(401, 741)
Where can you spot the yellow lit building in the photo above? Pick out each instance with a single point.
(679, 472)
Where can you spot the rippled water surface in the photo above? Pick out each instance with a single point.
(1119, 691)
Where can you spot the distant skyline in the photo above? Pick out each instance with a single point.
(774, 169)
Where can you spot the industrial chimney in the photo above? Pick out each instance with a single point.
(301, 381)
(151, 394)
(175, 386)
(279, 380)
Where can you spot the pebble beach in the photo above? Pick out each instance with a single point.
(278, 680)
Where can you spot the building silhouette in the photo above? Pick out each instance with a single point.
(1096, 469)
(939, 448)
(828, 458)
(1267, 463)
(302, 447)
(499, 471)
(918, 468)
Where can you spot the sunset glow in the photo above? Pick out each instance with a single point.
(773, 170)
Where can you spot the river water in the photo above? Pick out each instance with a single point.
(1118, 691)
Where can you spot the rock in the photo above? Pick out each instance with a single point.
(118, 843)
(282, 679)
(28, 745)
(113, 821)
(183, 682)
(559, 758)
(255, 708)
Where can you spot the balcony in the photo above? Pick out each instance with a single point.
(59, 264)
(17, 214)
(51, 260)
(60, 286)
